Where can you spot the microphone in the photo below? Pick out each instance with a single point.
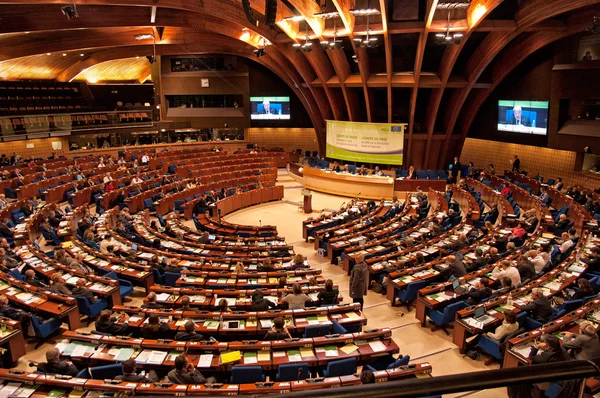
(299, 373)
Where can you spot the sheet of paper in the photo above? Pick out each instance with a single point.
(264, 356)
(266, 323)
(250, 357)
(79, 351)
(205, 361)
(349, 348)
(306, 352)
(157, 357)
(331, 351)
(163, 297)
(294, 356)
(377, 346)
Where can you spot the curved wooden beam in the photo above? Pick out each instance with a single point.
(431, 7)
(342, 70)
(533, 12)
(389, 67)
(478, 10)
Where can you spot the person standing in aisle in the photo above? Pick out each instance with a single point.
(359, 280)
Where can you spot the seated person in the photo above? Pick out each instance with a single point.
(411, 174)
(525, 268)
(223, 306)
(517, 233)
(362, 170)
(457, 244)
(563, 222)
(584, 289)
(189, 333)
(530, 217)
(455, 267)
(377, 172)
(539, 306)
(155, 329)
(150, 301)
(130, 375)
(329, 295)
(282, 282)
(32, 280)
(506, 270)
(480, 260)
(266, 266)
(552, 351)
(506, 286)
(54, 364)
(296, 300)
(81, 290)
(509, 326)
(367, 377)
(336, 167)
(185, 304)
(585, 344)
(107, 323)
(204, 239)
(539, 258)
(298, 262)
(278, 332)
(186, 373)
(14, 313)
(57, 284)
(259, 303)
(480, 291)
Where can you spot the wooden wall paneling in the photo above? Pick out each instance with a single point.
(389, 67)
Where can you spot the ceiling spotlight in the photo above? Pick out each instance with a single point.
(64, 54)
(447, 37)
(332, 44)
(48, 54)
(364, 12)
(368, 40)
(296, 45)
(327, 14)
(294, 18)
(454, 5)
(82, 55)
(306, 46)
(260, 52)
(150, 58)
(70, 11)
(143, 36)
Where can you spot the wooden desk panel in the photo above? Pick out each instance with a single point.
(347, 184)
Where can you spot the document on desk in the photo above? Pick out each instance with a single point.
(157, 357)
(377, 346)
(124, 354)
(81, 350)
(250, 357)
(306, 352)
(349, 348)
(211, 324)
(331, 351)
(205, 361)
(523, 350)
(294, 356)
(266, 323)
(312, 320)
(23, 392)
(264, 356)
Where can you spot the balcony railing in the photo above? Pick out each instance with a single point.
(41, 126)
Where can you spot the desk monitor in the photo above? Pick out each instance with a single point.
(212, 237)
(479, 311)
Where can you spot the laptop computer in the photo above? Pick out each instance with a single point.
(134, 246)
(480, 315)
(457, 288)
(211, 237)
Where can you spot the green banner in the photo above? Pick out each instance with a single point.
(381, 143)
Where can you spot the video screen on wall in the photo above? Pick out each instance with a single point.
(526, 117)
(270, 108)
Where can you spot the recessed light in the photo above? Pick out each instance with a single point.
(138, 57)
(64, 54)
(81, 55)
(47, 53)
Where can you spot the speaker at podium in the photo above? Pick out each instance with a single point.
(307, 200)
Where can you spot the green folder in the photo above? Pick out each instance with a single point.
(312, 318)
(500, 309)
(434, 296)
(56, 393)
(124, 354)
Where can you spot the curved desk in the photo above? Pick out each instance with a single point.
(345, 184)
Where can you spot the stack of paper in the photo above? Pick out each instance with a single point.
(377, 346)
(205, 361)
(294, 356)
(331, 351)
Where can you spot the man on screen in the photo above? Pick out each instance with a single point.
(518, 118)
(267, 108)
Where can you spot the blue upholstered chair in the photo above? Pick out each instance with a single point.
(246, 374)
(409, 294)
(342, 367)
(43, 330)
(293, 371)
(388, 363)
(443, 319)
(109, 372)
(316, 331)
(91, 310)
(125, 287)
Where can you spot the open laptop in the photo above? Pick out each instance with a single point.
(480, 315)
(211, 237)
(457, 288)
(134, 246)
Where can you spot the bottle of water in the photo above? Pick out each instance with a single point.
(509, 300)
(533, 123)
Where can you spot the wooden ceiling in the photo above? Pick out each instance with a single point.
(342, 84)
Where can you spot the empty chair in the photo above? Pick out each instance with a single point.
(246, 374)
(388, 363)
(443, 319)
(106, 372)
(316, 331)
(44, 329)
(408, 295)
(342, 367)
(170, 278)
(337, 328)
(125, 287)
(91, 310)
(292, 372)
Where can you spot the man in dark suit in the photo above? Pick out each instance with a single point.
(539, 307)
(518, 118)
(14, 313)
(129, 374)
(456, 168)
(267, 110)
(480, 291)
(108, 324)
(189, 333)
(455, 267)
(31, 279)
(53, 364)
(204, 238)
(81, 290)
(516, 164)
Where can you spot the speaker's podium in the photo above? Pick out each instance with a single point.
(307, 200)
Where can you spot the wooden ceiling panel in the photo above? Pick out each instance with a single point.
(120, 70)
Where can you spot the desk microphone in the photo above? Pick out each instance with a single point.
(299, 373)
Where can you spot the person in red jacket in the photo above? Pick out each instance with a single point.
(517, 233)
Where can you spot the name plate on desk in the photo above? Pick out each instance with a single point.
(305, 192)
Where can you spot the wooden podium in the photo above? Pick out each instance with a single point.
(307, 200)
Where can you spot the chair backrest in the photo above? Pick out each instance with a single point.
(246, 374)
(343, 367)
(316, 331)
(171, 278)
(451, 310)
(83, 374)
(337, 328)
(293, 371)
(106, 371)
(400, 362)
(16, 274)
